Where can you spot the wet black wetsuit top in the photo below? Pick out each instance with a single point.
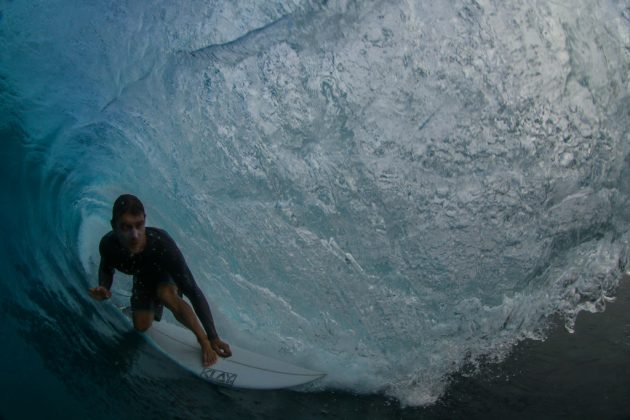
(160, 256)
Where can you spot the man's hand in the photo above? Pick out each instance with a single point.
(208, 355)
(100, 293)
(221, 347)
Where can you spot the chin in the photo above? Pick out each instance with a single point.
(134, 248)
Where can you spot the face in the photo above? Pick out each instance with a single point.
(130, 231)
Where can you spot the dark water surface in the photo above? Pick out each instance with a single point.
(580, 375)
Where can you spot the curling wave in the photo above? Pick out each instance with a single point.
(376, 190)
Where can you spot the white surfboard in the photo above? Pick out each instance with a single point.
(244, 369)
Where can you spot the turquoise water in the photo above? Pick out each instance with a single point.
(390, 193)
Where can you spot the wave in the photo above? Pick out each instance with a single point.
(381, 191)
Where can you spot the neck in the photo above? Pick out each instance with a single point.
(138, 249)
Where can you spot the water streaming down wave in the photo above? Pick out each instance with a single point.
(377, 190)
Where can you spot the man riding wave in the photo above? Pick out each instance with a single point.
(160, 277)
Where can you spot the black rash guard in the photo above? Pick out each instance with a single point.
(160, 257)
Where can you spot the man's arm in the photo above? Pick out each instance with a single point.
(185, 281)
(105, 278)
(105, 275)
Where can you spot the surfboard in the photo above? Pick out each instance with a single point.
(244, 369)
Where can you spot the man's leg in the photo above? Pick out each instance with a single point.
(142, 304)
(168, 295)
(142, 319)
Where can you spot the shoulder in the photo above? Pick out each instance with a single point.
(160, 236)
(108, 242)
(161, 240)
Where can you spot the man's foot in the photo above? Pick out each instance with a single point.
(208, 356)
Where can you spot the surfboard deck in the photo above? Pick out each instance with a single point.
(244, 369)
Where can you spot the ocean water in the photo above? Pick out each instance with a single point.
(389, 192)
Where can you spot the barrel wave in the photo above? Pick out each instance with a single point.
(383, 191)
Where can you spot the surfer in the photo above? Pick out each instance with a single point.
(160, 276)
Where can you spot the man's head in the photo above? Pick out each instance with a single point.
(128, 219)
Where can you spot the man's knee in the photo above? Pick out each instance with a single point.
(167, 293)
(142, 320)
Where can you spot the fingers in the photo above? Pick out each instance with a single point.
(94, 293)
(226, 351)
(99, 293)
(222, 348)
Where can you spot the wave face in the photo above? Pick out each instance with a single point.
(384, 191)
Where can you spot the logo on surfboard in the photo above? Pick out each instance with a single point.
(218, 376)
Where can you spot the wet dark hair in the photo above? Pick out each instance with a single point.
(126, 203)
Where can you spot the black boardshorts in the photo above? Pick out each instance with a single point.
(144, 293)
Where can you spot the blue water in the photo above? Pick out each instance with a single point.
(387, 192)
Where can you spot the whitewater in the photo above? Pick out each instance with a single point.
(386, 191)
